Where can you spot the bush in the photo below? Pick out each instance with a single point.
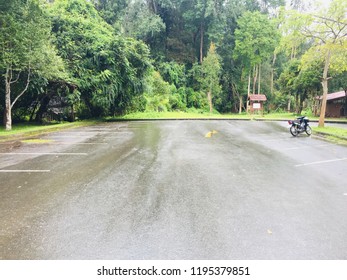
(196, 99)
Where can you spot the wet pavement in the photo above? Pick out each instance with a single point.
(173, 190)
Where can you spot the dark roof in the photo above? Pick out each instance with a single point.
(257, 97)
(335, 95)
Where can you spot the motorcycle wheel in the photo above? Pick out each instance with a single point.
(308, 130)
(294, 130)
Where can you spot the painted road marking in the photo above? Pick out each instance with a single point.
(73, 143)
(209, 134)
(24, 171)
(53, 142)
(308, 146)
(89, 136)
(321, 162)
(276, 139)
(37, 141)
(48, 154)
(70, 136)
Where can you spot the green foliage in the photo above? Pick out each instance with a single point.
(26, 50)
(287, 80)
(111, 10)
(25, 40)
(339, 82)
(328, 31)
(173, 72)
(300, 82)
(140, 22)
(158, 93)
(292, 42)
(196, 99)
(88, 54)
(211, 70)
(109, 69)
(280, 102)
(255, 38)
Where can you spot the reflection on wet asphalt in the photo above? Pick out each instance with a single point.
(173, 190)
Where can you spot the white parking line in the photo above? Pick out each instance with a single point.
(321, 162)
(73, 143)
(24, 171)
(69, 136)
(49, 154)
(307, 146)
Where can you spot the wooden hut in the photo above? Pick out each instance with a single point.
(256, 102)
(336, 104)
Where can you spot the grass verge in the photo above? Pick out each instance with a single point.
(332, 134)
(167, 115)
(194, 115)
(30, 129)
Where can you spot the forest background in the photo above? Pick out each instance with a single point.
(68, 59)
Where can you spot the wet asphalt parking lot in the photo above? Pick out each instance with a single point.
(173, 190)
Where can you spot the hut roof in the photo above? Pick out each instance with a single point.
(257, 97)
(334, 95)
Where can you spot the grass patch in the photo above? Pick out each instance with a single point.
(276, 116)
(186, 115)
(196, 115)
(166, 115)
(334, 131)
(31, 129)
(333, 134)
(37, 141)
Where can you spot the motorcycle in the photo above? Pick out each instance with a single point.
(300, 125)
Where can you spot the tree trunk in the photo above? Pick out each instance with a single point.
(72, 117)
(248, 91)
(153, 6)
(297, 103)
(34, 110)
(325, 80)
(209, 97)
(240, 106)
(8, 104)
(255, 75)
(259, 73)
(201, 41)
(293, 54)
(273, 73)
(8, 113)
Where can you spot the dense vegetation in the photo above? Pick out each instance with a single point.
(64, 59)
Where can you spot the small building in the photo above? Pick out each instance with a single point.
(336, 104)
(256, 102)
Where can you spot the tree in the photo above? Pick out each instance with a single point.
(108, 68)
(141, 21)
(255, 40)
(301, 83)
(111, 10)
(210, 80)
(158, 93)
(328, 30)
(198, 14)
(25, 44)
